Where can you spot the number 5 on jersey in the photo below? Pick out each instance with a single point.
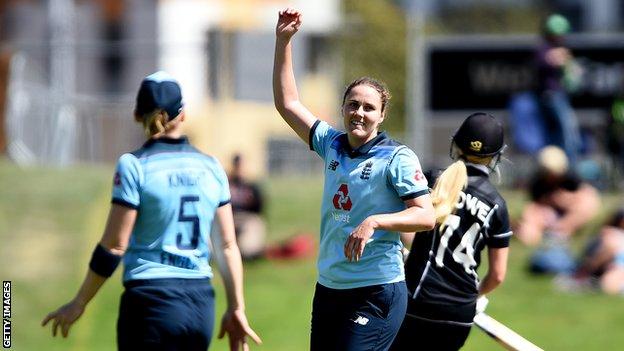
(188, 218)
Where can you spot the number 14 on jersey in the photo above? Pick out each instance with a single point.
(464, 252)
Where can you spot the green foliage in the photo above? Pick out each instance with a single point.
(373, 44)
(50, 219)
(487, 18)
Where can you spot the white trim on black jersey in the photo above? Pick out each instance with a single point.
(462, 324)
(503, 235)
(426, 270)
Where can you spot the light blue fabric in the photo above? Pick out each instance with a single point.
(553, 256)
(176, 190)
(358, 183)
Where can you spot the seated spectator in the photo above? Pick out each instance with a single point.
(602, 263)
(247, 203)
(561, 203)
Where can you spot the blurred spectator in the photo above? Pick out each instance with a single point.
(247, 203)
(615, 133)
(558, 73)
(602, 263)
(560, 205)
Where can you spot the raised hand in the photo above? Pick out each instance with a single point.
(288, 23)
(234, 323)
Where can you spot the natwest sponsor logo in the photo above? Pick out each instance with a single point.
(341, 200)
(418, 175)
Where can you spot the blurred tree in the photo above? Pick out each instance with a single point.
(374, 45)
(492, 19)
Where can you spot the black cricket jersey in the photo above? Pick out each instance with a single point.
(441, 270)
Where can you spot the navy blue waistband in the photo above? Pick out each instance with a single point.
(166, 282)
(361, 290)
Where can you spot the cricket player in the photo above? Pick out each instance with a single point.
(165, 198)
(441, 270)
(374, 189)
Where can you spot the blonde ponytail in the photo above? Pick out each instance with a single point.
(445, 193)
(154, 122)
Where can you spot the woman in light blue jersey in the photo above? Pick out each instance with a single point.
(374, 189)
(165, 197)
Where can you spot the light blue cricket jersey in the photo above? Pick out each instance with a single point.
(176, 190)
(374, 178)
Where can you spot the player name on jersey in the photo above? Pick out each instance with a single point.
(473, 204)
(185, 179)
(177, 261)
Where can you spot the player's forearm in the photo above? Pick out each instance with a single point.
(284, 84)
(89, 288)
(497, 269)
(489, 283)
(412, 219)
(231, 271)
(285, 94)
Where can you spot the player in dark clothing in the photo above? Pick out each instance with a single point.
(441, 270)
(247, 206)
(557, 74)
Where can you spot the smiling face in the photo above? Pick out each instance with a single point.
(362, 112)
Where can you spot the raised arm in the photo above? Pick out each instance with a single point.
(285, 94)
(234, 321)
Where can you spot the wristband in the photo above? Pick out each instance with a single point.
(103, 262)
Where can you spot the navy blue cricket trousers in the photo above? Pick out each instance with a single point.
(359, 319)
(166, 314)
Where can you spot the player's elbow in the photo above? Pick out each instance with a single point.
(428, 220)
(431, 223)
(282, 107)
(279, 104)
(116, 248)
(498, 277)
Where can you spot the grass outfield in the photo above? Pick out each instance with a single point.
(50, 219)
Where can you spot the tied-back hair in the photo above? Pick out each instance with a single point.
(154, 122)
(446, 190)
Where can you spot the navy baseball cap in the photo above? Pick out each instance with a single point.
(159, 91)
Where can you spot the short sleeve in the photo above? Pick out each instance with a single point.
(406, 176)
(499, 230)
(321, 137)
(224, 195)
(127, 182)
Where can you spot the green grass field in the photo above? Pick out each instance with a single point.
(50, 219)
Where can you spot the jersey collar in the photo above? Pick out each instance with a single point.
(475, 169)
(167, 140)
(363, 149)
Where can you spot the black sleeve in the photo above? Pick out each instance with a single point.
(499, 230)
(432, 175)
(539, 186)
(312, 134)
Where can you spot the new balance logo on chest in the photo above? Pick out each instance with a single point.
(333, 165)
